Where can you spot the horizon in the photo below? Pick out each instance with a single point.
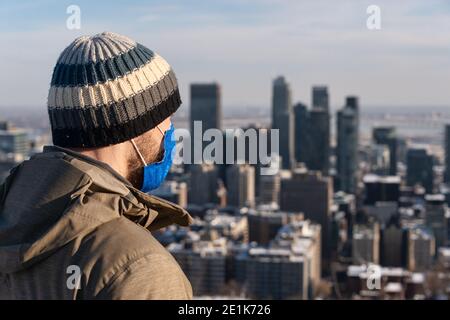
(333, 107)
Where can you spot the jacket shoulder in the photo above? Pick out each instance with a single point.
(122, 260)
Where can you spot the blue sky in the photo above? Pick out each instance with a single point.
(244, 44)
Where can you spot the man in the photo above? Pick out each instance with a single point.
(75, 220)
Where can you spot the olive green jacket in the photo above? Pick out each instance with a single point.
(73, 228)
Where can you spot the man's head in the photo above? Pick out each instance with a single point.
(107, 90)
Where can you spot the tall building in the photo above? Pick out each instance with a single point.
(274, 273)
(320, 97)
(288, 268)
(14, 148)
(204, 263)
(206, 107)
(352, 102)
(303, 236)
(421, 250)
(312, 132)
(347, 146)
(269, 189)
(241, 185)
(420, 169)
(393, 246)
(4, 125)
(14, 141)
(387, 136)
(447, 153)
(283, 120)
(436, 212)
(319, 158)
(320, 131)
(346, 203)
(204, 184)
(366, 244)
(258, 144)
(302, 134)
(379, 159)
(381, 189)
(311, 193)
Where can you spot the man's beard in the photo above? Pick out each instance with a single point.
(151, 153)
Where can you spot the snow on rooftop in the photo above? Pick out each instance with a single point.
(393, 287)
(355, 271)
(417, 277)
(444, 252)
(373, 178)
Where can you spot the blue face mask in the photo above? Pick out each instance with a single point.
(155, 173)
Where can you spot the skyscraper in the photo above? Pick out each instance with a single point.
(288, 268)
(319, 155)
(312, 132)
(13, 141)
(320, 97)
(347, 145)
(303, 235)
(203, 184)
(241, 185)
(320, 131)
(388, 137)
(14, 148)
(346, 203)
(352, 102)
(260, 144)
(269, 189)
(204, 263)
(283, 120)
(421, 250)
(268, 273)
(447, 153)
(206, 107)
(419, 169)
(435, 217)
(366, 244)
(381, 188)
(312, 194)
(393, 245)
(4, 125)
(302, 133)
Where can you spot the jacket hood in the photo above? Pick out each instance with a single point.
(59, 195)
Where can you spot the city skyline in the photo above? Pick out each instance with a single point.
(303, 220)
(245, 49)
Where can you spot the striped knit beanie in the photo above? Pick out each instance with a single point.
(108, 89)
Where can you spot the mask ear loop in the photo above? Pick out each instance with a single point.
(160, 130)
(138, 152)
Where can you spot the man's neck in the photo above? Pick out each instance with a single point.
(113, 155)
